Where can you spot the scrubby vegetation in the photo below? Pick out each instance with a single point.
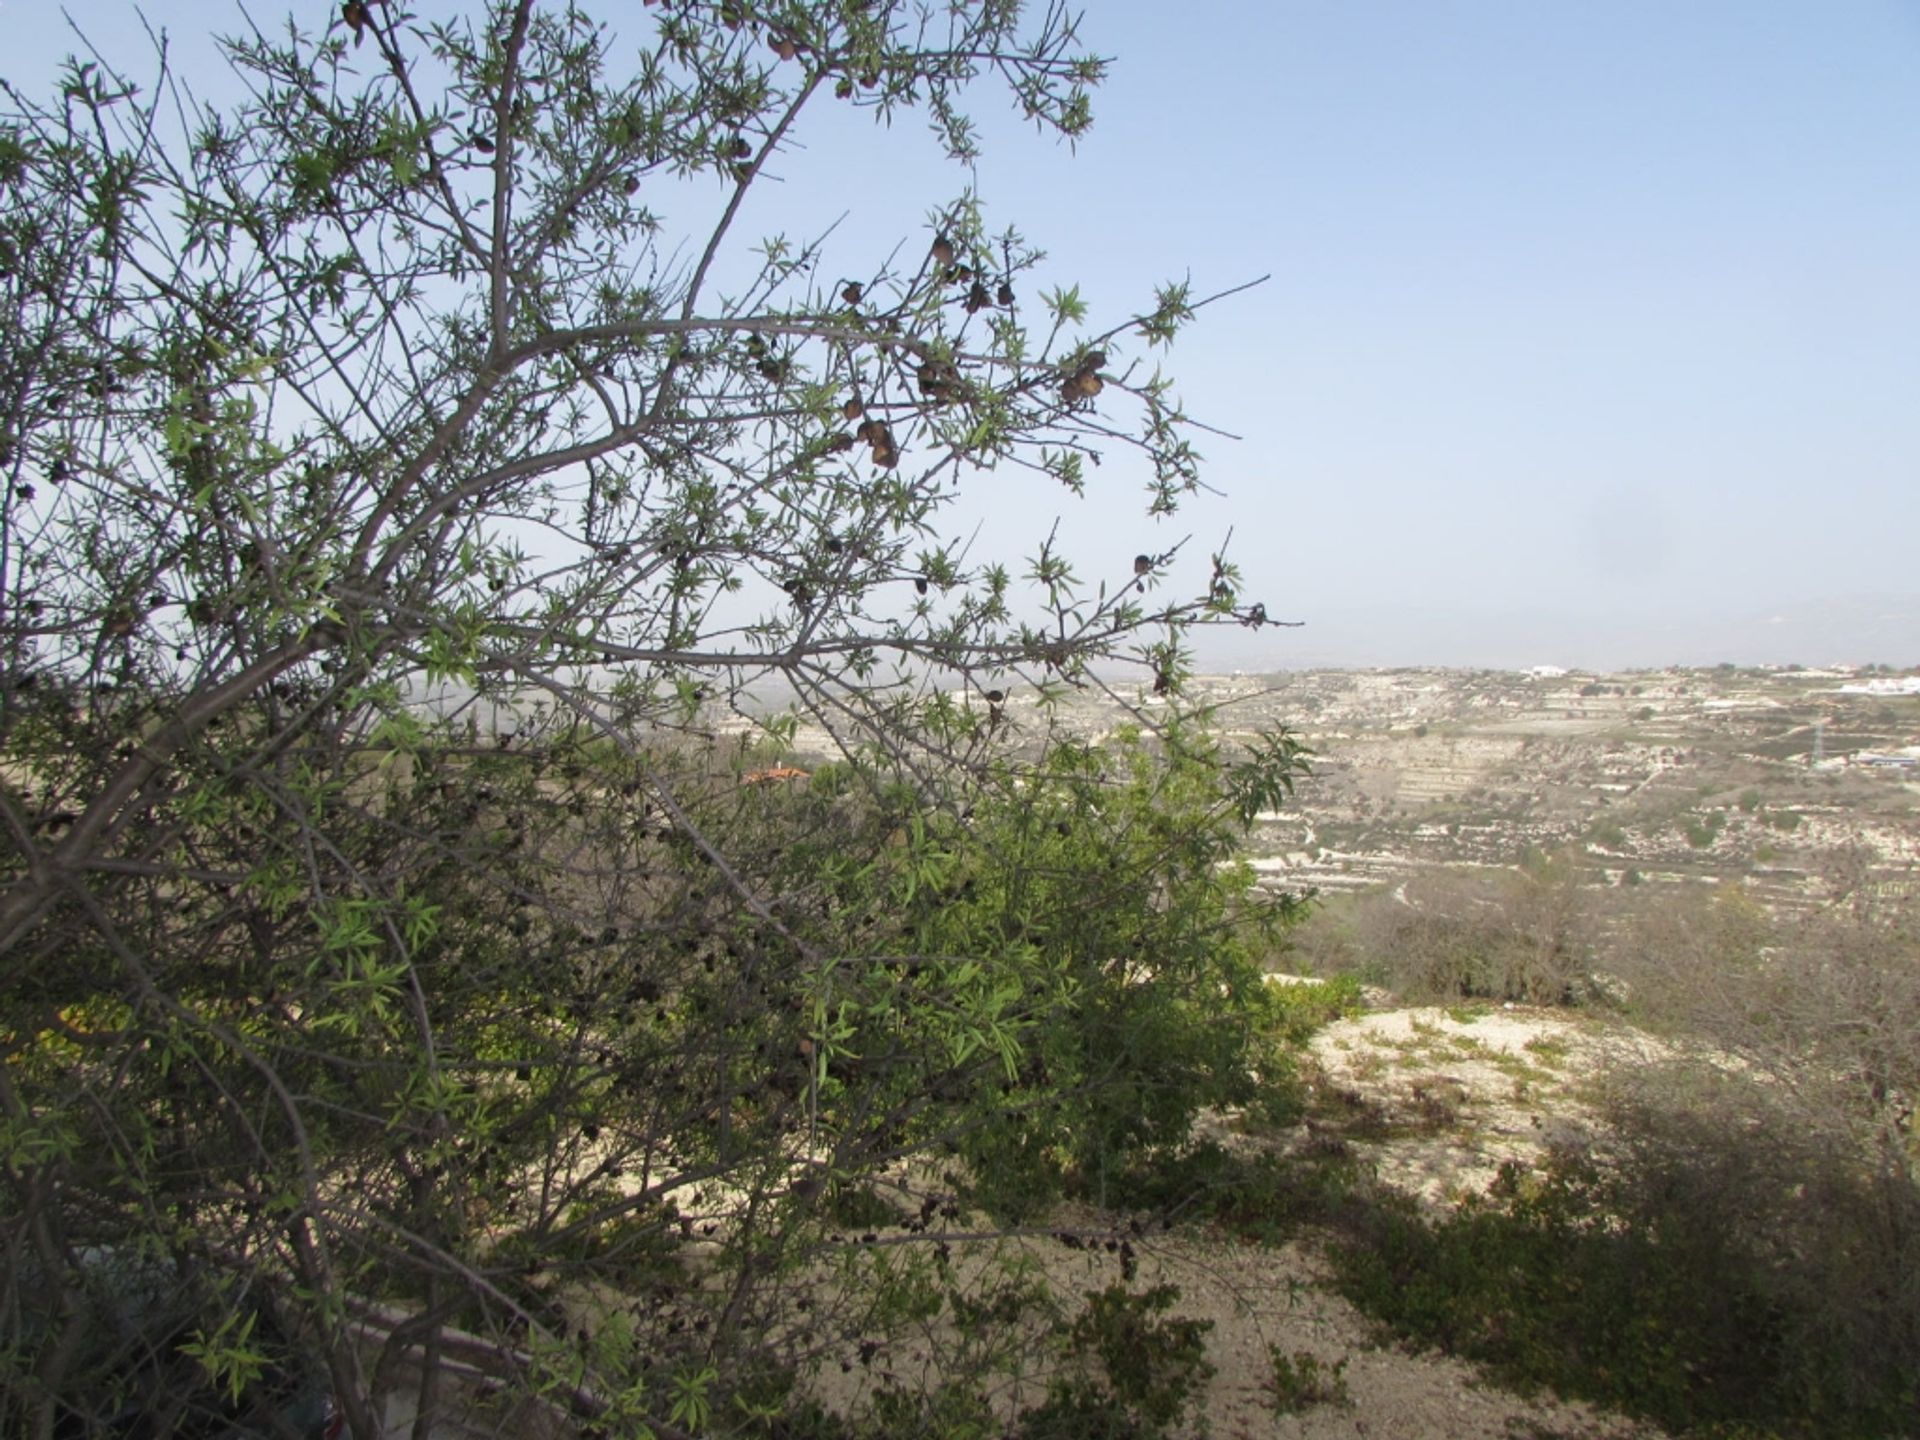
(1514, 934)
(1732, 1249)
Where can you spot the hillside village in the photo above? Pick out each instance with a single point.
(1772, 776)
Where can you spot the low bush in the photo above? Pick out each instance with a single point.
(1715, 1288)
(1519, 935)
(1255, 1196)
(1301, 1381)
(1702, 831)
(1131, 1365)
(1742, 1253)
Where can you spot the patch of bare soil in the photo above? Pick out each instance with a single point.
(1443, 1096)
(1435, 1099)
(1260, 1300)
(1457, 1092)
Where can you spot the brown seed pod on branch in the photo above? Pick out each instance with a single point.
(1082, 385)
(939, 380)
(1084, 382)
(886, 453)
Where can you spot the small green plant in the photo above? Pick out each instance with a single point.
(1302, 1380)
(1608, 835)
(1129, 1373)
(954, 1410)
(1701, 832)
(1296, 1012)
(229, 1356)
(692, 1407)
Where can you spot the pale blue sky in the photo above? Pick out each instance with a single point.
(1594, 329)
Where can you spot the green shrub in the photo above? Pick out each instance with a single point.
(1518, 935)
(1656, 1286)
(1302, 1380)
(1702, 831)
(1128, 1371)
(1295, 1012)
(1088, 949)
(1255, 1196)
(1608, 835)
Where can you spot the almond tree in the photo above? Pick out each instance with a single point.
(397, 489)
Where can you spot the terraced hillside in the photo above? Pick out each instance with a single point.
(1773, 777)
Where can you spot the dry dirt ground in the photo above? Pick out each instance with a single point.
(1462, 1089)
(1457, 1091)
(1259, 1298)
(1453, 1093)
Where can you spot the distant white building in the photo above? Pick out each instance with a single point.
(1885, 685)
(1907, 759)
(1545, 672)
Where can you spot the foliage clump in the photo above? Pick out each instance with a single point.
(413, 481)
(1130, 1372)
(1524, 935)
(1734, 1253)
(1663, 1289)
(1302, 1380)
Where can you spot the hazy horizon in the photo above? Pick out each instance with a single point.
(1859, 630)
